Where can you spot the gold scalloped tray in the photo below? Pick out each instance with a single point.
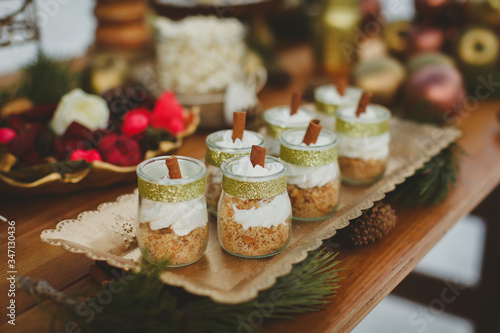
(108, 233)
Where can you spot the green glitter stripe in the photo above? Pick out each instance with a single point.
(215, 158)
(361, 130)
(323, 107)
(171, 193)
(254, 190)
(308, 157)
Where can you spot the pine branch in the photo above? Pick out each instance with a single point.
(145, 304)
(46, 80)
(430, 184)
(307, 288)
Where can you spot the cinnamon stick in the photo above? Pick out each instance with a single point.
(341, 85)
(174, 172)
(363, 103)
(294, 106)
(239, 119)
(312, 132)
(258, 156)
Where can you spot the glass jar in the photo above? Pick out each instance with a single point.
(172, 217)
(363, 143)
(254, 217)
(327, 100)
(200, 54)
(313, 175)
(278, 120)
(220, 147)
(336, 35)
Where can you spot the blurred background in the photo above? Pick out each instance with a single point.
(442, 53)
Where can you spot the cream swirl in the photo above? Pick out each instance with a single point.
(309, 176)
(247, 141)
(281, 116)
(373, 147)
(269, 214)
(244, 167)
(332, 96)
(298, 137)
(181, 217)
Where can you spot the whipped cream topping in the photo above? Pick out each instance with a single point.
(297, 137)
(373, 147)
(309, 176)
(267, 215)
(281, 116)
(182, 217)
(371, 113)
(332, 96)
(248, 140)
(244, 167)
(272, 146)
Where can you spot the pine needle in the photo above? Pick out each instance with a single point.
(45, 80)
(307, 288)
(430, 184)
(145, 304)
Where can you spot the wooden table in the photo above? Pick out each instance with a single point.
(370, 274)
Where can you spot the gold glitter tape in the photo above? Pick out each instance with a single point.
(254, 190)
(275, 131)
(171, 193)
(215, 158)
(361, 130)
(308, 157)
(323, 107)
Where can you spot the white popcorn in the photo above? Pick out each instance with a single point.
(200, 54)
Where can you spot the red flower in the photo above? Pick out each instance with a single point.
(23, 146)
(6, 135)
(135, 122)
(120, 150)
(75, 137)
(87, 155)
(168, 114)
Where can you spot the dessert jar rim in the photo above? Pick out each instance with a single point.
(288, 144)
(185, 180)
(383, 116)
(228, 173)
(213, 146)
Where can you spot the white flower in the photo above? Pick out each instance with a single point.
(88, 110)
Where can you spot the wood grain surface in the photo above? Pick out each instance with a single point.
(370, 273)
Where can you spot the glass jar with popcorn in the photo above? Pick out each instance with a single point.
(364, 140)
(313, 175)
(329, 98)
(172, 217)
(254, 217)
(220, 147)
(200, 54)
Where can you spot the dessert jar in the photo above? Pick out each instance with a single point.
(313, 175)
(278, 120)
(327, 101)
(254, 217)
(363, 143)
(220, 147)
(172, 217)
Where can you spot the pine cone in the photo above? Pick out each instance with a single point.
(372, 225)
